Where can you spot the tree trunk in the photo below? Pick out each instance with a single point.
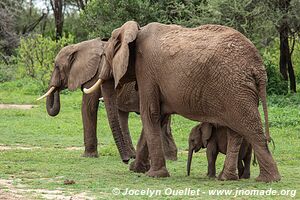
(57, 7)
(285, 63)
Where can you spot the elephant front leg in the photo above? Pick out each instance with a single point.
(211, 154)
(229, 171)
(151, 119)
(89, 109)
(247, 163)
(141, 164)
(123, 116)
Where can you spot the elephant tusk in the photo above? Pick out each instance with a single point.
(47, 93)
(94, 87)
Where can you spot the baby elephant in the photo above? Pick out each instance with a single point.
(214, 138)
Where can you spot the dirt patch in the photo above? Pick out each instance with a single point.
(18, 147)
(74, 148)
(16, 106)
(4, 147)
(10, 191)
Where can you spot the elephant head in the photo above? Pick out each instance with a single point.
(198, 139)
(74, 65)
(119, 57)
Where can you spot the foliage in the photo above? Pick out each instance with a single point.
(276, 84)
(8, 68)
(36, 55)
(8, 36)
(271, 57)
(187, 13)
(101, 17)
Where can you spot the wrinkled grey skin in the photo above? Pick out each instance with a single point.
(78, 66)
(208, 74)
(214, 139)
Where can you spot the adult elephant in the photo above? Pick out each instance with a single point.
(210, 74)
(78, 66)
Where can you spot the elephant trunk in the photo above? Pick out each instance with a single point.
(189, 162)
(110, 101)
(53, 100)
(113, 119)
(53, 103)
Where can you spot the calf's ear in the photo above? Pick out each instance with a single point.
(206, 129)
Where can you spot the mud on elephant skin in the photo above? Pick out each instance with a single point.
(77, 66)
(211, 74)
(214, 139)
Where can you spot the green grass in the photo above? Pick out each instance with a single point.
(47, 166)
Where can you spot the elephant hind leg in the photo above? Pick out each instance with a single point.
(170, 149)
(268, 168)
(250, 127)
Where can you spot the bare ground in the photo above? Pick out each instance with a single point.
(18, 191)
(12, 189)
(16, 106)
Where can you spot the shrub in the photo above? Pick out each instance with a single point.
(7, 69)
(36, 55)
(276, 84)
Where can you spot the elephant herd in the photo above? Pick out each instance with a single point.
(212, 74)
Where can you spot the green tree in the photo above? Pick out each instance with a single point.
(36, 55)
(102, 16)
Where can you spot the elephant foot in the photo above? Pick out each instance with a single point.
(93, 154)
(171, 155)
(245, 176)
(139, 167)
(223, 176)
(267, 179)
(131, 153)
(212, 176)
(163, 172)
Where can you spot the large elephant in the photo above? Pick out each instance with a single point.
(211, 74)
(78, 66)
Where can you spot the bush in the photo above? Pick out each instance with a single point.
(276, 84)
(36, 56)
(8, 69)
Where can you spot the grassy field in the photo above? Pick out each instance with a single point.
(38, 153)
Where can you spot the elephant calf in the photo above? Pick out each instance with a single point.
(214, 138)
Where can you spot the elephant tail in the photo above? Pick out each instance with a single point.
(262, 92)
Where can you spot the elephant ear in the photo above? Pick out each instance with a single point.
(206, 129)
(84, 62)
(120, 39)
